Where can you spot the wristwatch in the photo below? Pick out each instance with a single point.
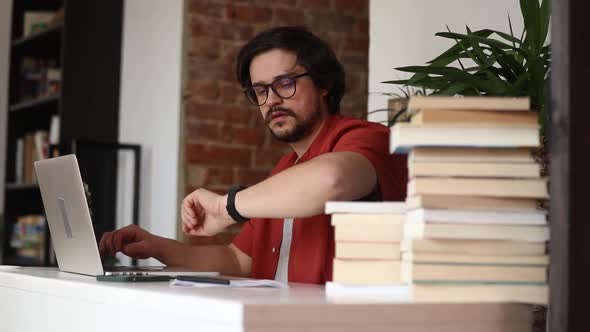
(231, 204)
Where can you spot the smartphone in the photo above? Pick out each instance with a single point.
(207, 280)
(131, 278)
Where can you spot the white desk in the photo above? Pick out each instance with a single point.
(43, 299)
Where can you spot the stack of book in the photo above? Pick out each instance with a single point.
(367, 236)
(473, 230)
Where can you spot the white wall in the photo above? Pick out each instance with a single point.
(5, 19)
(150, 104)
(402, 34)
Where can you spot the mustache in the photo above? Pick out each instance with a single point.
(272, 111)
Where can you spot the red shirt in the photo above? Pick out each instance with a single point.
(312, 245)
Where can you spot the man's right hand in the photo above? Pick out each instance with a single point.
(131, 240)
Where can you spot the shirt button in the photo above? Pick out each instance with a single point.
(273, 250)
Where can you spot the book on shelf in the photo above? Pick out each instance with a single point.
(54, 130)
(30, 148)
(28, 157)
(470, 103)
(39, 78)
(471, 203)
(465, 273)
(476, 232)
(447, 216)
(492, 118)
(36, 21)
(364, 271)
(19, 159)
(368, 250)
(439, 293)
(462, 169)
(470, 155)
(405, 136)
(360, 232)
(518, 188)
(469, 259)
(474, 247)
(28, 237)
(334, 207)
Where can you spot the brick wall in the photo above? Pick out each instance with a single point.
(225, 139)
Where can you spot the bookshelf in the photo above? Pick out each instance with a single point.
(63, 87)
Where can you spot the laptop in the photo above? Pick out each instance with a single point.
(70, 223)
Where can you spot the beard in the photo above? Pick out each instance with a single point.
(302, 128)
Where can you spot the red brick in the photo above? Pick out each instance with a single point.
(277, 3)
(360, 59)
(357, 44)
(209, 70)
(204, 132)
(231, 93)
(284, 16)
(315, 4)
(202, 89)
(322, 22)
(219, 176)
(267, 157)
(245, 13)
(352, 6)
(203, 48)
(224, 113)
(247, 136)
(206, 8)
(221, 30)
(362, 26)
(249, 177)
(214, 155)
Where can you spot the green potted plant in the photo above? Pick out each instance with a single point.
(503, 64)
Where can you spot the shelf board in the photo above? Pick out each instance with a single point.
(22, 186)
(47, 34)
(34, 103)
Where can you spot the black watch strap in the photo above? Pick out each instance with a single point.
(231, 204)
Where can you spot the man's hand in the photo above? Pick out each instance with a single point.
(204, 213)
(131, 240)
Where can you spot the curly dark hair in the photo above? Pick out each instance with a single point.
(312, 53)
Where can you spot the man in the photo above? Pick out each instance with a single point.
(297, 82)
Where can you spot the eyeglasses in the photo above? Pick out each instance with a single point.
(283, 87)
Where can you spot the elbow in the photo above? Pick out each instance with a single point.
(341, 182)
(334, 182)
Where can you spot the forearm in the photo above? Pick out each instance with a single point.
(302, 190)
(219, 258)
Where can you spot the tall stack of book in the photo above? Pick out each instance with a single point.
(473, 231)
(367, 236)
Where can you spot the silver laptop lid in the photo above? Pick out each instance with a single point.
(68, 215)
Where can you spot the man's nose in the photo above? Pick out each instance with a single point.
(273, 99)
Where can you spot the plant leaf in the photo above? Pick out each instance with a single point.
(511, 31)
(486, 41)
(450, 73)
(530, 12)
(545, 16)
(457, 48)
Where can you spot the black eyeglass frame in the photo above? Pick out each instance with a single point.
(271, 86)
